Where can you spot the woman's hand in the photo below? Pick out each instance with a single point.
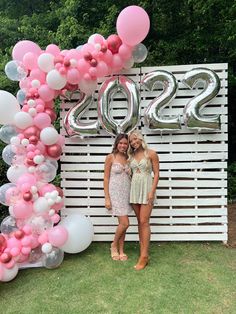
(108, 203)
(150, 198)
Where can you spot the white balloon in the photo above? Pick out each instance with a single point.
(46, 62)
(140, 53)
(9, 274)
(14, 172)
(41, 205)
(49, 136)
(55, 80)
(129, 63)
(23, 120)
(80, 233)
(87, 87)
(8, 107)
(46, 248)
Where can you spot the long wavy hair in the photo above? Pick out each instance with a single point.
(139, 135)
(117, 140)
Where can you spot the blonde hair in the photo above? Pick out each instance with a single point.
(139, 135)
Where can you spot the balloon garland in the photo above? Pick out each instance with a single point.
(33, 231)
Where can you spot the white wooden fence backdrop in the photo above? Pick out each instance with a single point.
(191, 199)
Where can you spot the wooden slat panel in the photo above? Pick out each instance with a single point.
(192, 192)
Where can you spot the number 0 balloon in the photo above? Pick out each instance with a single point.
(130, 89)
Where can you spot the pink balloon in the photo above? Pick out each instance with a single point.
(102, 69)
(43, 238)
(61, 140)
(54, 151)
(26, 179)
(53, 49)
(83, 66)
(24, 46)
(125, 52)
(73, 54)
(47, 188)
(117, 62)
(22, 209)
(55, 218)
(46, 93)
(37, 74)
(57, 236)
(30, 60)
(42, 120)
(73, 76)
(14, 243)
(133, 25)
(113, 43)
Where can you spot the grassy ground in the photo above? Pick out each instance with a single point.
(181, 278)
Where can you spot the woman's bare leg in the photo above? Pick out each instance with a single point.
(145, 213)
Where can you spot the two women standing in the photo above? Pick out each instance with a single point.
(128, 180)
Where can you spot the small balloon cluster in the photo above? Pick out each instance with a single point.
(33, 231)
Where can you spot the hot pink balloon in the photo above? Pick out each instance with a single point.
(57, 236)
(42, 120)
(133, 25)
(24, 46)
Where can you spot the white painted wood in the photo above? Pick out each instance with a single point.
(191, 198)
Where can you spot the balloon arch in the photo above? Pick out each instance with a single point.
(34, 232)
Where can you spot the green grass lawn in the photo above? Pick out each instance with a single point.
(181, 278)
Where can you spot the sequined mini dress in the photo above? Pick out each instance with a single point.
(119, 189)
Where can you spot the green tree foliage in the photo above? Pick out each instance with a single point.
(181, 32)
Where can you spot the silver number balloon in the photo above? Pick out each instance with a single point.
(71, 121)
(152, 113)
(193, 118)
(130, 89)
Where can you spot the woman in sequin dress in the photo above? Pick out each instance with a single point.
(117, 192)
(143, 162)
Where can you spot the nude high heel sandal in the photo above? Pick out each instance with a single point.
(142, 263)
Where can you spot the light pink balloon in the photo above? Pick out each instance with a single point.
(125, 52)
(83, 66)
(22, 209)
(46, 93)
(24, 46)
(53, 49)
(37, 74)
(30, 60)
(133, 25)
(42, 120)
(57, 236)
(26, 178)
(55, 218)
(14, 243)
(47, 188)
(73, 54)
(117, 62)
(73, 76)
(102, 69)
(43, 238)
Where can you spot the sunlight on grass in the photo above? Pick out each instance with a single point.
(181, 278)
